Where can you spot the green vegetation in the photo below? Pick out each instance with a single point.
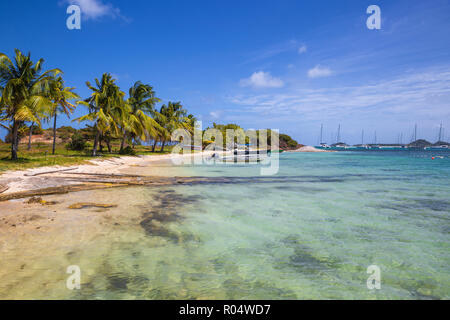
(30, 95)
(172, 117)
(60, 96)
(40, 155)
(77, 142)
(25, 93)
(420, 143)
(286, 142)
(241, 135)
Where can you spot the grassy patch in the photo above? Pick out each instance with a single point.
(40, 155)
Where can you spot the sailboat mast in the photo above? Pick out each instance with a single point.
(440, 132)
(362, 137)
(415, 132)
(321, 134)
(339, 134)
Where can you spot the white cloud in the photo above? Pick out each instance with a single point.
(302, 49)
(262, 79)
(94, 9)
(215, 114)
(319, 71)
(417, 95)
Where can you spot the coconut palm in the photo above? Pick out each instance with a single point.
(107, 108)
(60, 95)
(23, 88)
(173, 117)
(30, 134)
(138, 122)
(190, 123)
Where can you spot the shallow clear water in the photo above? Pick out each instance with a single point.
(310, 232)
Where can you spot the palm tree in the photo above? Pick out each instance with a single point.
(173, 117)
(138, 121)
(23, 89)
(107, 108)
(190, 123)
(30, 134)
(60, 95)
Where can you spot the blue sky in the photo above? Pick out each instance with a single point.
(290, 65)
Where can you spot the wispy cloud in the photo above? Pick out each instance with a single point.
(420, 94)
(215, 114)
(95, 9)
(262, 79)
(302, 49)
(272, 51)
(319, 72)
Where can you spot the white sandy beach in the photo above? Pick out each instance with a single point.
(24, 180)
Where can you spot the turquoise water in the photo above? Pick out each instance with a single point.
(309, 232)
(312, 230)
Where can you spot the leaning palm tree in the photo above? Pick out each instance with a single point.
(138, 122)
(107, 108)
(60, 95)
(172, 117)
(23, 89)
(190, 123)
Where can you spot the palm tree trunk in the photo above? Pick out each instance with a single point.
(29, 137)
(162, 146)
(15, 140)
(54, 135)
(122, 144)
(108, 144)
(154, 145)
(97, 136)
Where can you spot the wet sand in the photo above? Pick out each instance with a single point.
(39, 240)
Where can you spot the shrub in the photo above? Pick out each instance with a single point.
(65, 132)
(128, 150)
(286, 142)
(77, 142)
(35, 130)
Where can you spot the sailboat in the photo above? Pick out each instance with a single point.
(339, 145)
(412, 145)
(374, 146)
(362, 146)
(439, 145)
(322, 145)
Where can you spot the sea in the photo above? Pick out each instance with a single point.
(338, 225)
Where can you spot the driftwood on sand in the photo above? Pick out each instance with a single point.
(94, 181)
(47, 172)
(49, 191)
(3, 188)
(104, 174)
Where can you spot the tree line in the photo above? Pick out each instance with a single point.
(28, 94)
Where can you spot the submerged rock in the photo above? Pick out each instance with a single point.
(162, 216)
(154, 228)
